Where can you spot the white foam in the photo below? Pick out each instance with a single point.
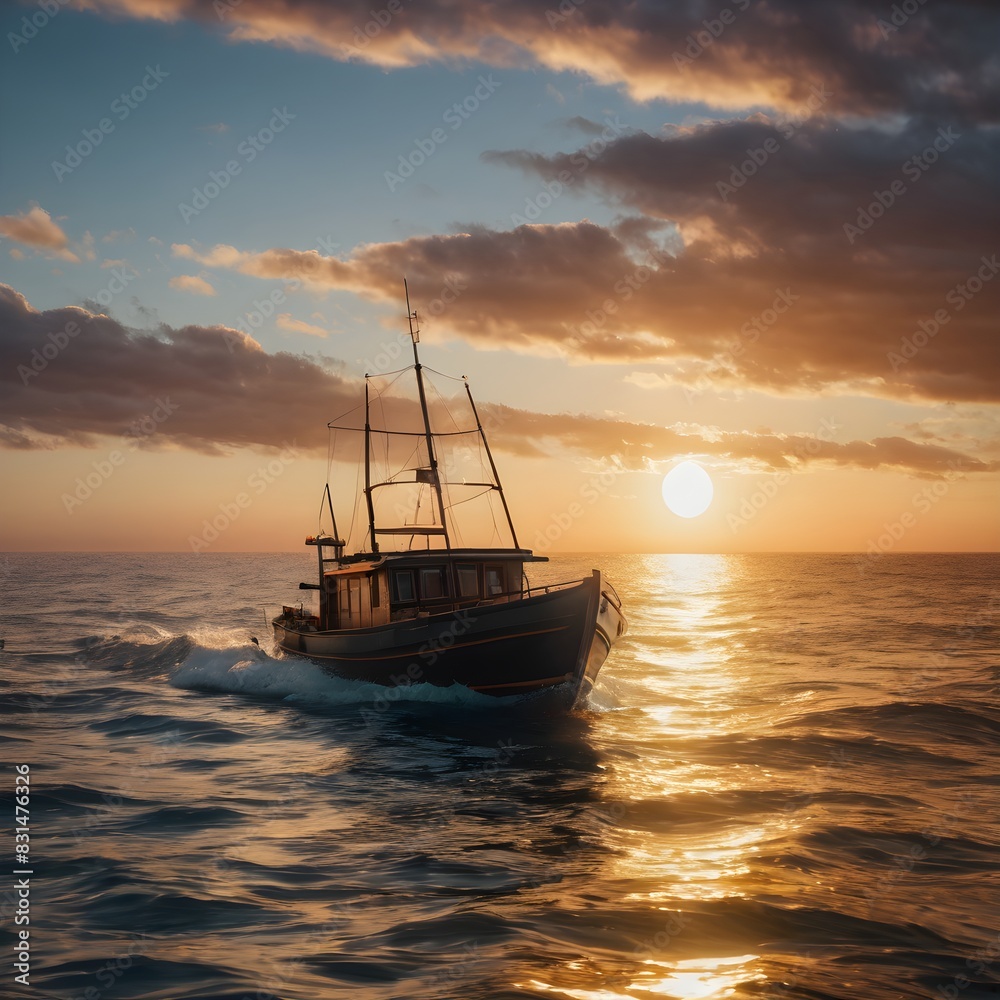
(246, 669)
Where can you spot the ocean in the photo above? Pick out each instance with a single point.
(786, 784)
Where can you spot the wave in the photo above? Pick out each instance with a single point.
(917, 719)
(249, 670)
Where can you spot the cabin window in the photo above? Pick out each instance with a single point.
(403, 583)
(432, 583)
(494, 580)
(468, 581)
(375, 593)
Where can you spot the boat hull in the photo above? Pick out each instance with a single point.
(532, 644)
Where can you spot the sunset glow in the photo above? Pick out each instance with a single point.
(749, 239)
(687, 489)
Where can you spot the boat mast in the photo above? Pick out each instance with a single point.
(411, 318)
(368, 472)
(493, 466)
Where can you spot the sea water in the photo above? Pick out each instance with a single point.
(785, 785)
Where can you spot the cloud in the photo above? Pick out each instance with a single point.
(225, 391)
(769, 54)
(824, 319)
(119, 234)
(722, 218)
(36, 228)
(636, 446)
(191, 283)
(286, 321)
(887, 238)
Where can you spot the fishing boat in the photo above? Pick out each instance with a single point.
(415, 604)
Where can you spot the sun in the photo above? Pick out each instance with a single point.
(687, 489)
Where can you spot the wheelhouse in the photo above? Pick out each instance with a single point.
(370, 590)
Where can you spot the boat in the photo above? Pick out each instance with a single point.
(414, 604)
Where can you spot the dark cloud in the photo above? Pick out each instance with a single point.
(69, 375)
(768, 53)
(222, 391)
(877, 232)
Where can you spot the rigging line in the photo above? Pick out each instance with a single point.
(331, 445)
(381, 408)
(379, 391)
(354, 511)
(447, 409)
(405, 467)
(395, 371)
(330, 423)
(458, 503)
(496, 530)
(331, 450)
(454, 378)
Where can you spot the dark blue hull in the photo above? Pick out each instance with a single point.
(526, 645)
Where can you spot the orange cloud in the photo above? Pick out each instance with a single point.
(225, 391)
(191, 283)
(824, 321)
(36, 228)
(286, 321)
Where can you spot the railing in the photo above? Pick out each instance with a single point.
(443, 605)
(546, 588)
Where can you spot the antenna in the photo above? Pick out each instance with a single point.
(411, 318)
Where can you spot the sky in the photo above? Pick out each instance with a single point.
(762, 237)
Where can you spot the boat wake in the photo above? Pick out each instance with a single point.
(223, 661)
